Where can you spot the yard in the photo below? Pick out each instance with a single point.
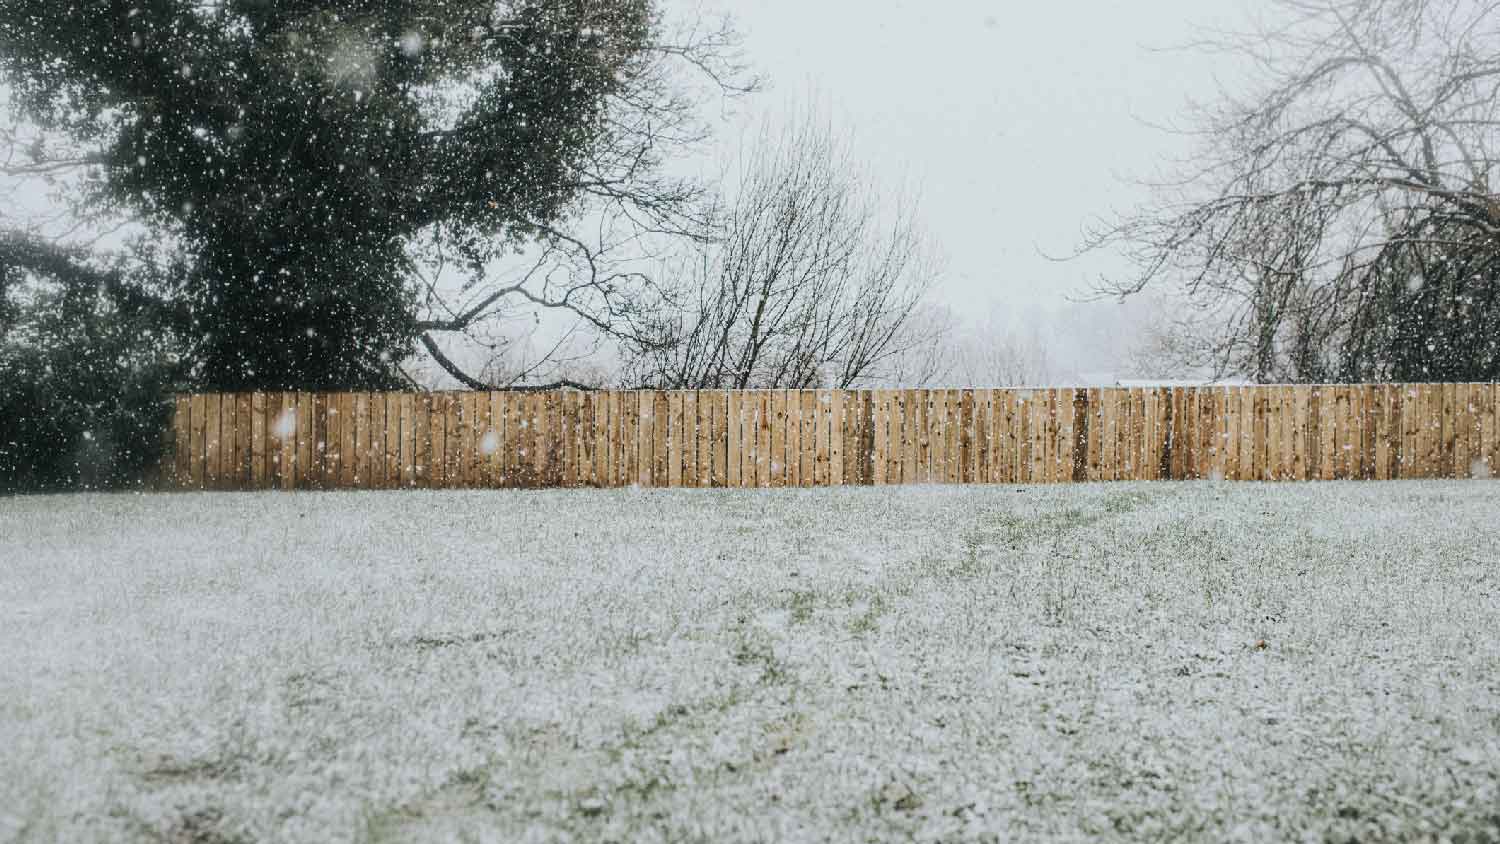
(1137, 662)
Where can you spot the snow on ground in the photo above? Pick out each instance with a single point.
(1190, 661)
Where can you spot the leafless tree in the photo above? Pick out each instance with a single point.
(1352, 171)
(810, 278)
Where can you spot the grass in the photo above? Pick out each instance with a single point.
(1129, 662)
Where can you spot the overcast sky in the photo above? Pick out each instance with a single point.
(1020, 121)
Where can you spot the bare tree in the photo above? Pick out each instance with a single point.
(810, 279)
(1338, 221)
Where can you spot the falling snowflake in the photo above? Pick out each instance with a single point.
(286, 424)
(412, 44)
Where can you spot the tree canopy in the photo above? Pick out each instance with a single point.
(295, 151)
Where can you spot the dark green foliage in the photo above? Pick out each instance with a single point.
(1425, 309)
(1433, 313)
(296, 149)
(85, 370)
(65, 424)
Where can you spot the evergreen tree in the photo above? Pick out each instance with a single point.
(295, 148)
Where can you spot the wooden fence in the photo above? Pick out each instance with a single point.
(790, 438)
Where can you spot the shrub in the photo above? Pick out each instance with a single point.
(85, 371)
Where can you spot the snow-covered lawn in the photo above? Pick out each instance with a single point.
(1192, 661)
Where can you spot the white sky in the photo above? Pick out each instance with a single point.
(1020, 122)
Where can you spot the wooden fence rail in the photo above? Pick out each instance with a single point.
(791, 438)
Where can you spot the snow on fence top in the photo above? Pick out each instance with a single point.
(798, 438)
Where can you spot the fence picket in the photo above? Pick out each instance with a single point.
(758, 422)
(921, 410)
(777, 462)
(259, 457)
(358, 439)
(438, 428)
(896, 450)
(1432, 457)
(461, 411)
(235, 469)
(1286, 418)
(589, 443)
(605, 413)
(695, 453)
(734, 458)
(212, 432)
(1490, 438)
